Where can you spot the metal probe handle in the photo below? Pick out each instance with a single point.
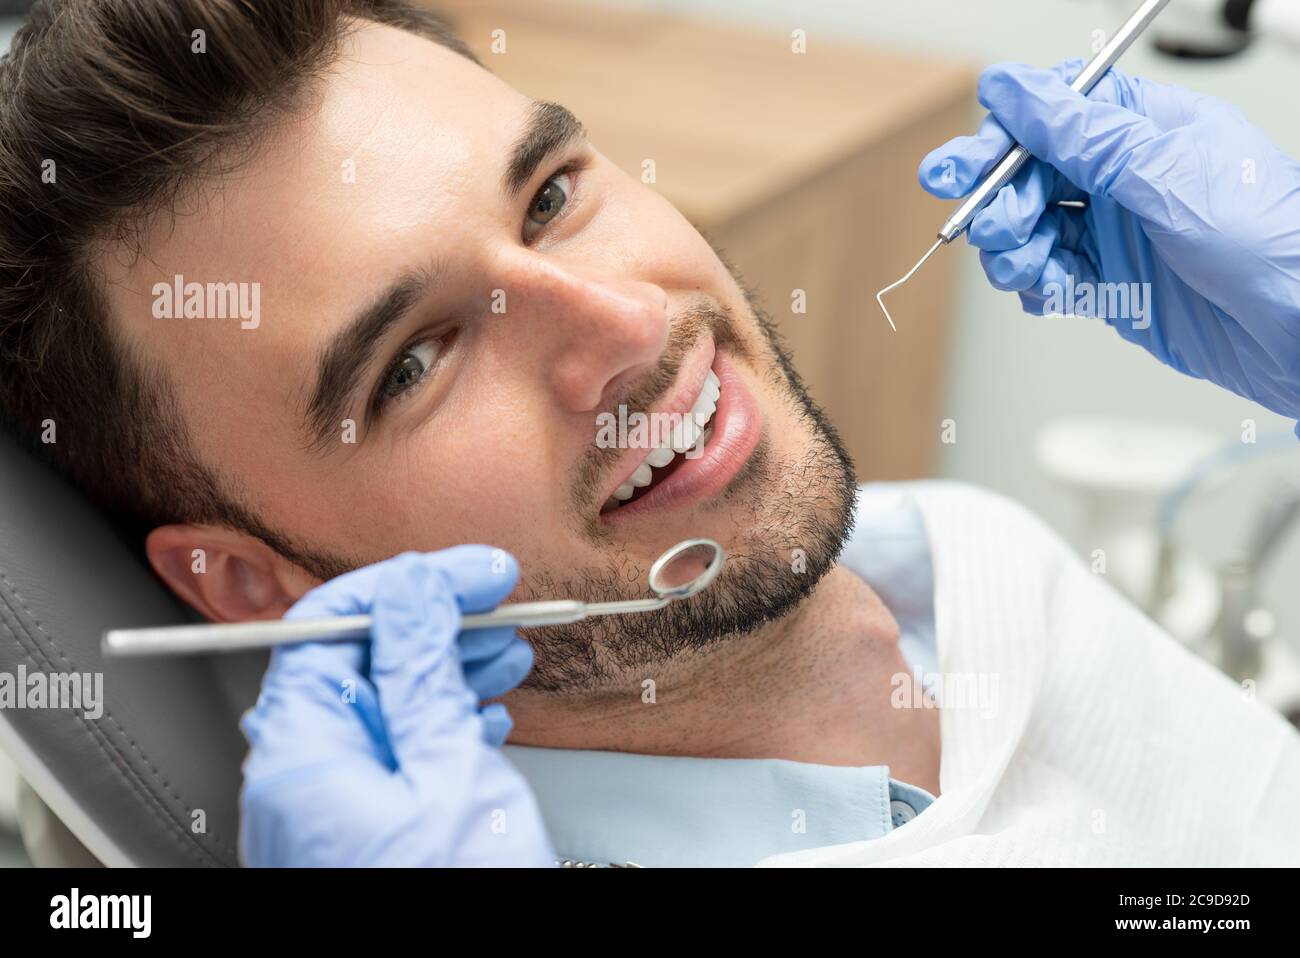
(1015, 158)
(241, 636)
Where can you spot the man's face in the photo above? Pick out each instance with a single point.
(454, 286)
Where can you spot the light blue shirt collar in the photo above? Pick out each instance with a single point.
(658, 810)
(655, 810)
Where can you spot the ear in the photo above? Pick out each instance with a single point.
(227, 576)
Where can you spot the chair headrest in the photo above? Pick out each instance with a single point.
(154, 779)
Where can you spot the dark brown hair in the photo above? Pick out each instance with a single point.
(107, 113)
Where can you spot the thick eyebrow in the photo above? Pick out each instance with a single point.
(550, 128)
(351, 350)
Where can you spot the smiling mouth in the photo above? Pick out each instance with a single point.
(683, 441)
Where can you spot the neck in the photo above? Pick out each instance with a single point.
(815, 686)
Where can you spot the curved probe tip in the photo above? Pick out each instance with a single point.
(880, 296)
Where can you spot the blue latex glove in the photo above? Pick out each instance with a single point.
(377, 753)
(1183, 193)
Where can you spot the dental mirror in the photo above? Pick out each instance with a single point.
(687, 568)
(684, 570)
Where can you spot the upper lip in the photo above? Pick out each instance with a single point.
(691, 375)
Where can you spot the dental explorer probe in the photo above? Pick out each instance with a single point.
(1015, 158)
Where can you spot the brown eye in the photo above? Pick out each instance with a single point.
(548, 202)
(409, 369)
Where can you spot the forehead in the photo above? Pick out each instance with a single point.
(401, 147)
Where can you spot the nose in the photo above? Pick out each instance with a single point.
(598, 332)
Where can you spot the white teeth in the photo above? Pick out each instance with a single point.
(660, 457)
(707, 401)
(684, 435)
(687, 432)
(690, 435)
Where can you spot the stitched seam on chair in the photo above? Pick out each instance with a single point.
(101, 738)
(202, 855)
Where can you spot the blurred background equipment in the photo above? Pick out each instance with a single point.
(1210, 29)
(1132, 481)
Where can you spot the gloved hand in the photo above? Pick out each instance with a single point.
(377, 753)
(1182, 193)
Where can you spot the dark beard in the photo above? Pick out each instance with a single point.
(792, 521)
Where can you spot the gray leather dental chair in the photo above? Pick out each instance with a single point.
(154, 780)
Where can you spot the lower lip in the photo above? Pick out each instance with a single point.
(737, 429)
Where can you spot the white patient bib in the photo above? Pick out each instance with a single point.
(1109, 743)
